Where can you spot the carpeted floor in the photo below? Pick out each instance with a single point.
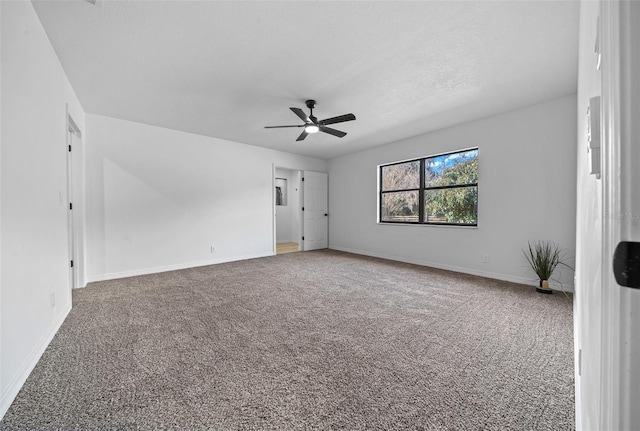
(315, 340)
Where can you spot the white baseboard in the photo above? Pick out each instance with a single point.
(496, 276)
(157, 269)
(12, 389)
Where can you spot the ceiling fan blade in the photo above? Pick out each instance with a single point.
(331, 131)
(339, 119)
(276, 127)
(302, 135)
(300, 113)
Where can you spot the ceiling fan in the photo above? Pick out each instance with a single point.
(312, 125)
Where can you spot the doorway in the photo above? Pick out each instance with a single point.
(288, 218)
(75, 212)
(301, 210)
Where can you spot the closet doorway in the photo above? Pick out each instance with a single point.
(288, 210)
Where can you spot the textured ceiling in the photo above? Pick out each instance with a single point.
(228, 68)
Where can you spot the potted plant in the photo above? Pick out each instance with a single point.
(543, 258)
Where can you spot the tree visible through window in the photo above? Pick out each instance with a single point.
(441, 189)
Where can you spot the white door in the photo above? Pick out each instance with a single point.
(73, 136)
(621, 214)
(315, 210)
(70, 224)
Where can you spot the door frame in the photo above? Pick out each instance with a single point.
(298, 212)
(75, 201)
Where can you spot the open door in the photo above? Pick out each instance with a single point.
(620, 283)
(73, 138)
(315, 210)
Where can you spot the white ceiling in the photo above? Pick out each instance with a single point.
(228, 68)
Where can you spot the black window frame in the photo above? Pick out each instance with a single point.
(421, 191)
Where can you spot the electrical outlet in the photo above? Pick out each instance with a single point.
(485, 258)
(52, 300)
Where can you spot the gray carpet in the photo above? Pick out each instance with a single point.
(316, 340)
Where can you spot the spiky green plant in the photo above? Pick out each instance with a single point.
(544, 257)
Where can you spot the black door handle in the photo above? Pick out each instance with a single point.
(325, 214)
(626, 264)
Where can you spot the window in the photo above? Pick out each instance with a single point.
(440, 190)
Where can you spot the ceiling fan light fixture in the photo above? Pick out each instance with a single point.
(312, 128)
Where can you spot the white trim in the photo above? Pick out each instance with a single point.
(29, 364)
(166, 268)
(493, 275)
(428, 157)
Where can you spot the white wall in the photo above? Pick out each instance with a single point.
(588, 299)
(158, 199)
(34, 249)
(527, 172)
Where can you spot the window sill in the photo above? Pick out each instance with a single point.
(428, 225)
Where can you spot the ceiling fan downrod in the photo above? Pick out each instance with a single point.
(311, 104)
